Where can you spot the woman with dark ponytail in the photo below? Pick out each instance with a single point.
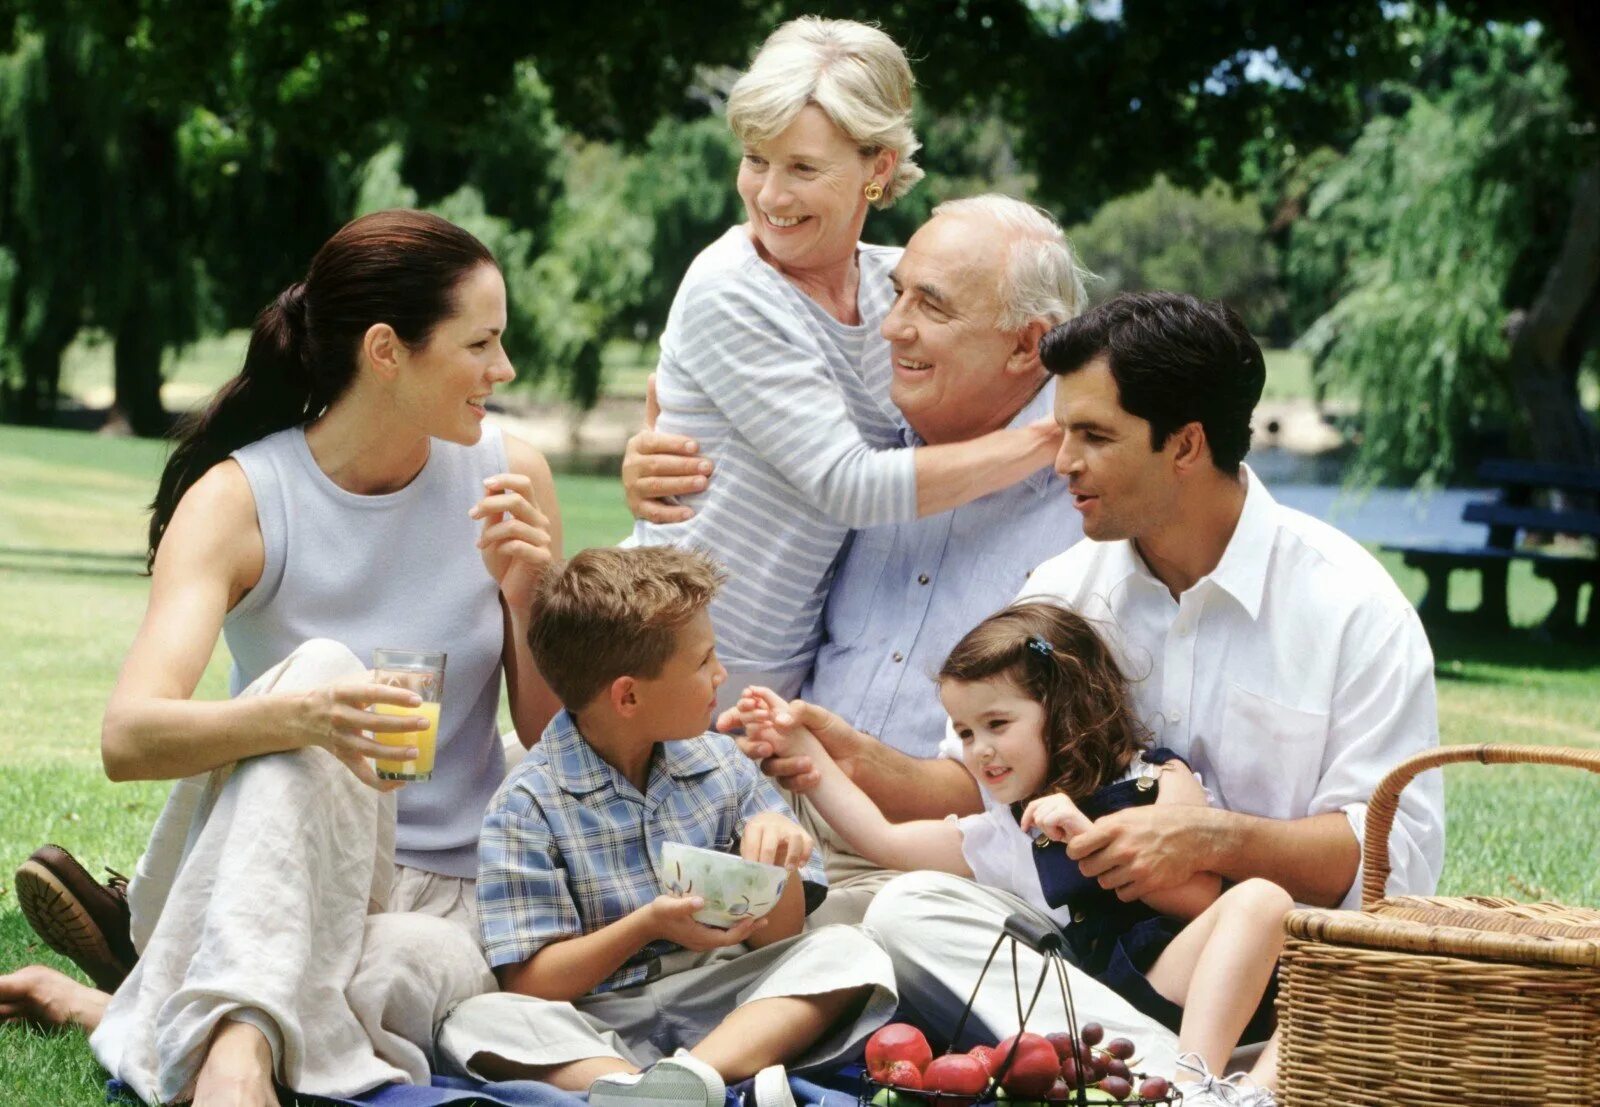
(341, 494)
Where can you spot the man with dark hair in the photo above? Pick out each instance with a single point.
(1269, 650)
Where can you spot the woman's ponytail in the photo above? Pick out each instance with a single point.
(273, 391)
(399, 267)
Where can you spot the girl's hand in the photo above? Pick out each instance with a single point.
(774, 840)
(336, 718)
(1056, 816)
(515, 541)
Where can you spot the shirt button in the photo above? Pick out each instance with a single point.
(1177, 717)
(922, 578)
(898, 656)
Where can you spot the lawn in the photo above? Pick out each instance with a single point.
(1522, 832)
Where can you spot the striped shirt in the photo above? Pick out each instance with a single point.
(569, 846)
(793, 406)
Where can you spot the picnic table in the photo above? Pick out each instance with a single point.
(1534, 498)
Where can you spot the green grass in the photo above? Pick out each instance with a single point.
(1521, 832)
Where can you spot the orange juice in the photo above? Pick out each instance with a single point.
(423, 740)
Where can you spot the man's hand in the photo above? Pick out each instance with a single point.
(1056, 816)
(658, 465)
(1141, 850)
(671, 919)
(774, 840)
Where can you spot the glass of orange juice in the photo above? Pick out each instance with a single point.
(422, 672)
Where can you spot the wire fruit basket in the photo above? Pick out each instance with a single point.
(1086, 1087)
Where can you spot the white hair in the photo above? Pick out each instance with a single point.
(1042, 278)
(855, 73)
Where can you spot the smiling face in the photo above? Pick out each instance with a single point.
(803, 192)
(1002, 736)
(956, 373)
(446, 383)
(680, 701)
(1122, 487)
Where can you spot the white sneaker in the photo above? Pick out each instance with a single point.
(1253, 1096)
(678, 1081)
(1205, 1089)
(772, 1088)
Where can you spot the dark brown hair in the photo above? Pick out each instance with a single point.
(1176, 360)
(1054, 656)
(609, 613)
(402, 268)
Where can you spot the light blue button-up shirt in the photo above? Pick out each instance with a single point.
(905, 593)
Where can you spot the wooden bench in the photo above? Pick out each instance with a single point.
(1517, 512)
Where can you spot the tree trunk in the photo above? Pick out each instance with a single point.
(1548, 344)
(136, 369)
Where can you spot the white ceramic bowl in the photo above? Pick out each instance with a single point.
(734, 889)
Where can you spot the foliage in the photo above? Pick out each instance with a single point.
(1210, 243)
(1418, 242)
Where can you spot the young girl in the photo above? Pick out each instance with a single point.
(1047, 729)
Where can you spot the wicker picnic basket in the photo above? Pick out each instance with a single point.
(1464, 1001)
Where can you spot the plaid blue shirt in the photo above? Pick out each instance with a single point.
(569, 846)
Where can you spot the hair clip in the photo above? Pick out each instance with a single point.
(1040, 646)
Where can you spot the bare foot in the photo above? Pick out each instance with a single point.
(50, 999)
(237, 1071)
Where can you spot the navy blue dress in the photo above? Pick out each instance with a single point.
(1117, 942)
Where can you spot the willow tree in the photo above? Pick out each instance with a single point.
(1431, 245)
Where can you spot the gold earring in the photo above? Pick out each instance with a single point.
(873, 192)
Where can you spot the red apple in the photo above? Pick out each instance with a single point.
(955, 1074)
(1035, 1068)
(898, 1041)
(985, 1056)
(903, 1074)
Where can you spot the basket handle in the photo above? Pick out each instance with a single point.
(1037, 936)
(1386, 797)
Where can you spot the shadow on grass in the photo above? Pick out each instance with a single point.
(1461, 643)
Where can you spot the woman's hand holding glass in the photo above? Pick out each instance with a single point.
(515, 539)
(337, 718)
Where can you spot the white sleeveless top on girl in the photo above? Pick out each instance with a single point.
(399, 570)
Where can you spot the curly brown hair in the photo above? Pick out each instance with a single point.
(1054, 656)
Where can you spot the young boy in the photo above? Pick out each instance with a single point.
(603, 973)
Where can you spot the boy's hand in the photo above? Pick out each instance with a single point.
(671, 919)
(1056, 816)
(774, 840)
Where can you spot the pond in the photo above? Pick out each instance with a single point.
(1379, 515)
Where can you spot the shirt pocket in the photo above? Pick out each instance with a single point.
(1271, 755)
(853, 593)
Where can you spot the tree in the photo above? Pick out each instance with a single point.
(1210, 243)
(1424, 245)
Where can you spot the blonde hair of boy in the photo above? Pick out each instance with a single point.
(855, 73)
(609, 613)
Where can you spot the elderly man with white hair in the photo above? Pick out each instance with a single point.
(975, 289)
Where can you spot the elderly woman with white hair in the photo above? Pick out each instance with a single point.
(773, 363)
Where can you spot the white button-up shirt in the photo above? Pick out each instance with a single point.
(1292, 678)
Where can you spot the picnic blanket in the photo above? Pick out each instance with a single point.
(837, 1089)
